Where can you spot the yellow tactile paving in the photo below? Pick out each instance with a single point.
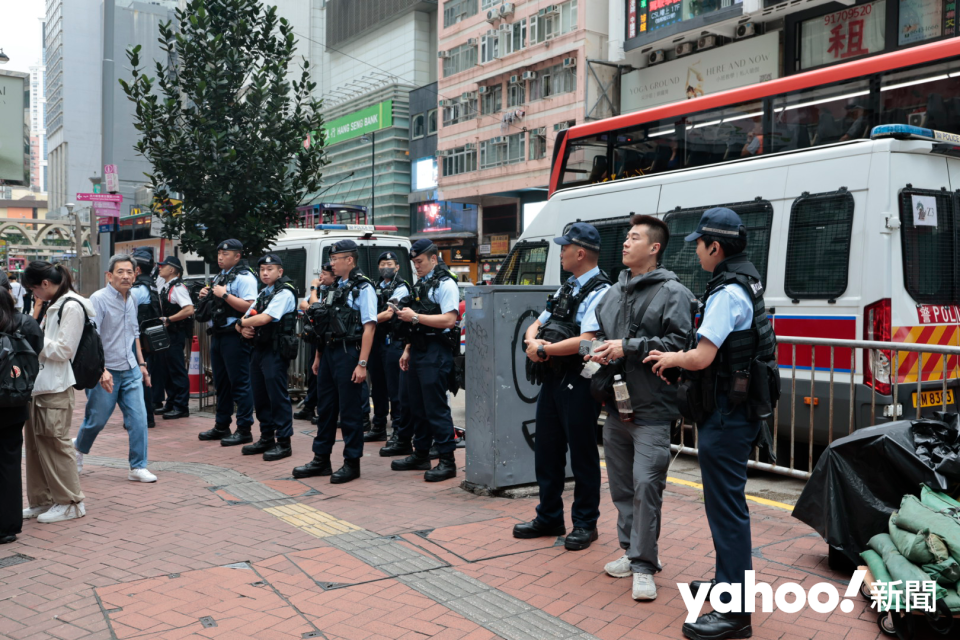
(310, 520)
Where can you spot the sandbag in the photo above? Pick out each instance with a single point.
(899, 567)
(936, 500)
(915, 516)
(877, 568)
(946, 573)
(912, 546)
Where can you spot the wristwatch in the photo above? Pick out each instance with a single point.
(142, 364)
(415, 319)
(362, 363)
(225, 295)
(541, 353)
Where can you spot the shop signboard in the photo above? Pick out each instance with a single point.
(111, 177)
(14, 129)
(734, 65)
(500, 245)
(645, 16)
(379, 116)
(484, 249)
(920, 20)
(463, 254)
(849, 33)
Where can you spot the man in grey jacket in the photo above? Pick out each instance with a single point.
(638, 454)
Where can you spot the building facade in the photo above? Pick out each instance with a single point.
(38, 131)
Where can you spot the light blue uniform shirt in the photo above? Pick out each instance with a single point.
(729, 309)
(244, 286)
(587, 311)
(140, 294)
(282, 304)
(446, 294)
(116, 322)
(398, 293)
(365, 302)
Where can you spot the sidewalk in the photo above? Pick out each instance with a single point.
(227, 546)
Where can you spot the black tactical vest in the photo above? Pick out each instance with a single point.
(168, 308)
(562, 324)
(269, 335)
(421, 302)
(344, 321)
(384, 295)
(151, 309)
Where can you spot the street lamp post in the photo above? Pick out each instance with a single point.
(373, 173)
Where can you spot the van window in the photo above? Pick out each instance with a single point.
(613, 232)
(818, 245)
(526, 264)
(681, 257)
(928, 240)
(368, 257)
(295, 267)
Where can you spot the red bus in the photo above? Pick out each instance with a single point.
(919, 86)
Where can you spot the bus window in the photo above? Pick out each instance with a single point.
(526, 264)
(724, 134)
(928, 245)
(813, 117)
(818, 246)
(681, 258)
(927, 98)
(586, 161)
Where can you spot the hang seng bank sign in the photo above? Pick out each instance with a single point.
(379, 116)
(728, 67)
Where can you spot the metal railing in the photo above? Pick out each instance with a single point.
(792, 389)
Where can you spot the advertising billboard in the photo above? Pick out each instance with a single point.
(445, 217)
(14, 128)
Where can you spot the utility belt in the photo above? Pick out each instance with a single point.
(420, 340)
(757, 388)
(216, 330)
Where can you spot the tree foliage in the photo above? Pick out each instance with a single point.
(224, 126)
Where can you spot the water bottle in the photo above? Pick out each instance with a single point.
(622, 395)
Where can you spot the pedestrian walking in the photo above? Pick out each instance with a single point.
(126, 372)
(176, 313)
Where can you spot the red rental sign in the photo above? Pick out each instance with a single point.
(838, 36)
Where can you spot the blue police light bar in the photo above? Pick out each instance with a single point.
(355, 227)
(908, 132)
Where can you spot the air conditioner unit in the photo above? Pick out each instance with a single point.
(707, 42)
(470, 146)
(529, 75)
(443, 153)
(569, 62)
(506, 8)
(468, 95)
(563, 126)
(656, 57)
(506, 28)
(472, 42)
(443, 54)
(483, 90)
(492, 33)
(684, 48)
(745, 30)
(493, 15)
(498, 140)
(515, 79)
(552, 8)
(445, 103)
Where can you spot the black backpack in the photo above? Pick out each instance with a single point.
(88, 362)
(19, 366)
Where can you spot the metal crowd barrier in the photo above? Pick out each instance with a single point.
(830, 382)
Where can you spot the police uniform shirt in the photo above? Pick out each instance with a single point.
(365, 302)
(141, 294)
(446, 294)
(244, 286)
(400, 292)
(178, 295)
(587, 311)
(282, 304)
(729, 309)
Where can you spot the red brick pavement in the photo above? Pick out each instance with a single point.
(148, 560)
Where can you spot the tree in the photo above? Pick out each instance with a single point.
(224, 127)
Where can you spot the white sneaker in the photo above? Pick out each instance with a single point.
(643, 587)
(33, 512)
(79, 456)
(141, 475)
(619, 568)
(61, 512)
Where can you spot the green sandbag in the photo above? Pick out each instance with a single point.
(915, 516)
(899, 567)
(912, 546)
(946, 573)
(936, 500)
(877, 568)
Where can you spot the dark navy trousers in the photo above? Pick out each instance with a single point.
(377, 381)
(567, 419)
(230, 359)
(271, 396)
(725, 444)
(427, 390)
(154, 365)
(389, 365)
(338, 395)
(310, 402)
(174, 378)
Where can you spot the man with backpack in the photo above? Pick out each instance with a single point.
(126, 372)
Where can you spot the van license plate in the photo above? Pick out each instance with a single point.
(932, 399)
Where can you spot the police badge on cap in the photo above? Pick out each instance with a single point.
(344, 246)
(230, 245)
(270, 258)
(421, 246)
(388, 255)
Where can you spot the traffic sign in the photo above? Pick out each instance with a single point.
(100, 197)
(111, 178)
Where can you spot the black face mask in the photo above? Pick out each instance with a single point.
(387, 273)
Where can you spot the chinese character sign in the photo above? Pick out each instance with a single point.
(842, 35)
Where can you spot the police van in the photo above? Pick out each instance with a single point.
(854, 240)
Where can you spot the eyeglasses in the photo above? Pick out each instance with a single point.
(338, 258)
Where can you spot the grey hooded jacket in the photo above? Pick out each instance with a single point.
(665, 327)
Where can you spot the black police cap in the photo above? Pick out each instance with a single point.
(388, 255)
(270, 258)
(421, 246)
(344, 246)
(172, 261)
(230, 245)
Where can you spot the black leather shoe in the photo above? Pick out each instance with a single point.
(349, 471)
(217, 433)
(314, 420)
(445, 469)
(260, 446)
(279, 451)
(176, 415)
(537, 529)
(237, 437)
(396, 447)
(151, 425)
(319, 466)
(695, 586)
(579, 539)
(376, 434)
(416, 461)
(718, 626)
(303, 414)
(7, 539)
(161, 410)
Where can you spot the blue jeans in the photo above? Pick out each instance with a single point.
(128, 393)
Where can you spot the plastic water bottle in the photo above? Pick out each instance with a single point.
(622, 395)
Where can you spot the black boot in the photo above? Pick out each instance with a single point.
(314, 420)
(695, 586)
(238, 437)
(445, 469)
(280, 451)
(265, 443)
(396, 447)
(366, 422)
(217, 433)
(349, 471)
(434, 454)
(417, 461)
(718, 626)
(376, 434)
(304, 414)
(319, 466)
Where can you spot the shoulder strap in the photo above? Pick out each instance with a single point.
(60, 312)
(651, 294)
(592, 285)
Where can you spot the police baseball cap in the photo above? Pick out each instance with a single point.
(344, 246)
(581, 234)
(388, 255)
(270, 258)
(721, 222)
(327, 266)
(421, 246)
(172, 261)
(143, 254)
(230, 245)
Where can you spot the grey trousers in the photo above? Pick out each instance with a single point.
(637, 458)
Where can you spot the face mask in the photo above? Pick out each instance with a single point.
(387, 273)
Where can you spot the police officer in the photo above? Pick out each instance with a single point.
(176, 309)
(733, 333)
(428, 360)
(233, 290)
(342, 367)
(270, 325)
(387, 350)
(144, 292)
(566, 412)
(317, 291)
